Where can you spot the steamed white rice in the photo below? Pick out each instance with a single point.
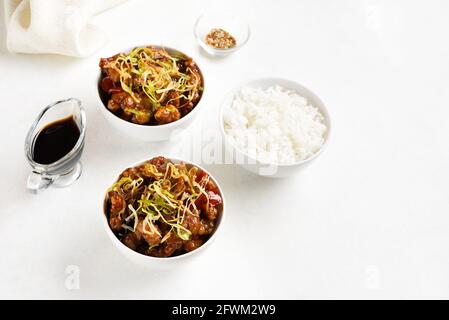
(274, 125)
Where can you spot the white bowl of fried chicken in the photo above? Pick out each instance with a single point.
(161, 211)
(150, 93)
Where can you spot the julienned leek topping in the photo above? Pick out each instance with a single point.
(159, 202)
(166, 204)
(142, 70)
(150, 86)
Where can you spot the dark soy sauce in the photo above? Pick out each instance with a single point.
(55, 140)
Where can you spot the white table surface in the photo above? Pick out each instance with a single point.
(369, 219)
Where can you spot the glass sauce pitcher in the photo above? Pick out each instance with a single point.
(66, 170)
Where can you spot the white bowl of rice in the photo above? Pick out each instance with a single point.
(274, 127)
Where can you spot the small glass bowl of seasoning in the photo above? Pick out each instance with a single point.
(54, 145)
(220, 34)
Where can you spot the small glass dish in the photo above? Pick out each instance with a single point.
(67, 169)
(231, 23)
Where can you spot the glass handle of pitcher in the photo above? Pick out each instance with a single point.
(37, 182)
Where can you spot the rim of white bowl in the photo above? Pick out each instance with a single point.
(166, 125)
(218, 227)
(323, 109)
(218, 50)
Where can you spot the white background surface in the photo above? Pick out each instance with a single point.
(369, 219)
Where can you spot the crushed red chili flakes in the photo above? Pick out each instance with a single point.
(220, 39)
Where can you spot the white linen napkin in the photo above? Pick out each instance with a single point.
(55, 26)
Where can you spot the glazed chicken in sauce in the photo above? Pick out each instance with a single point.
(150, 85)
(163, 209)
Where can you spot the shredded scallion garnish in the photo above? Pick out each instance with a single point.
(158, 199)
(154, 72)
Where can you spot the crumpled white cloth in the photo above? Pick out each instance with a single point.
(55, 26)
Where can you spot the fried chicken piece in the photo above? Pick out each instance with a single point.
(132, 241)
(160, 163)
(167, 114)
(132, 173)
(151, 235)
(172, 244)
(210, 212)
(192, 244)
(186, 108)
(112, 73)
(192, 223)
(179, 186)
(121, 100)
(116, 223)
(138, 115)
(206, 227)
(117, 205)
(172, 98)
